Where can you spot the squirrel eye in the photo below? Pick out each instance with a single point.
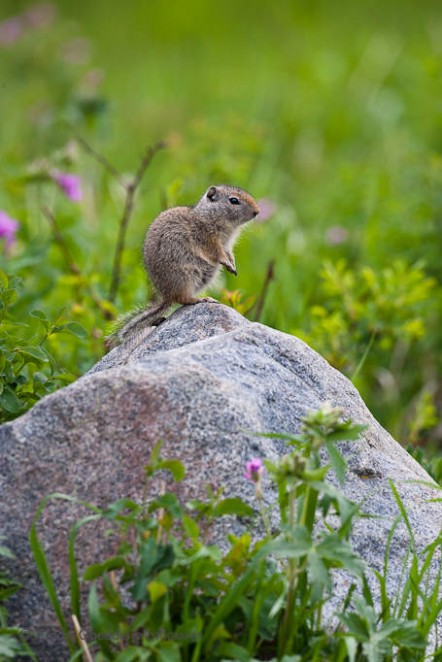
(234, 201)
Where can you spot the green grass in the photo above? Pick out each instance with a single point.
(331, 110)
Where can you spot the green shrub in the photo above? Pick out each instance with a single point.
(28, 367)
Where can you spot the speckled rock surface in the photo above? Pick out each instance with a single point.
(205, 381)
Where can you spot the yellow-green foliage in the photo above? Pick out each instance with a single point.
(331, 113)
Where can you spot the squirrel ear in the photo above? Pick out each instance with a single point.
(211, 193)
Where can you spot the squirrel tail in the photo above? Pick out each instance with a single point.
(131, 326)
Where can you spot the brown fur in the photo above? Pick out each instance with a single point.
(185, 247)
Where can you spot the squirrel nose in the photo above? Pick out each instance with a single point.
(255, 213)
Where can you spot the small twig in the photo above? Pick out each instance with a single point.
(260, 301)
(128, 208)
(81, 640)
(102, 160)
(72, 265)
(113, 580)
(160, 515)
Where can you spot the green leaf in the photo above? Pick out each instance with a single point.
(155, 453)
(202, 552)
(39, 314)
(102, 620)
(154, 558)
(98, 569)
(9, 647)
(175, 467)
(403, 513)
(74, 581)
(356, 625)
(299, 546)
(337, 460)
(352, 433)
(75, 329)
(6, 552)
(34, 354)
(9, 401)
(403, 633)
(190, 527)
(9, 296)
(318, 573)
(230, 601)
(42, 564)
(117, 507)
(352, 648)
(233, 506)
(46, 577)
(168, 651)
(219, 632)
(340, 552)
(132, 654)
(233, 652)
(168, 501)
(4, 281)
(156, 590)
(141, 619)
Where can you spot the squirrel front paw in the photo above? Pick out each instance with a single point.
(229, 264)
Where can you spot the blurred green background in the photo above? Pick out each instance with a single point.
(330, 111)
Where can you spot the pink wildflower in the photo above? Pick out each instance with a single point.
(336, 235)
(11, 30)
(40, 15)
(76, 51)
(267, 208)
(69, 184)
(8, 229)
(254, 469)
(37, 16)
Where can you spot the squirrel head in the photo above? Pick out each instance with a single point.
(229, 203)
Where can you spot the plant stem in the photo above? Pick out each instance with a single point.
(107, 165)
(127, 213)
(287, 632)
(72, 265)
(364, 356)
(81, 640)
(309, 508)
(259, 303)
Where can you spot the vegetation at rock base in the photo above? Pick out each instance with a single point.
(168, 594)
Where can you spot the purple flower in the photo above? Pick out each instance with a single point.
(8, 229)
(38, 16)
(336, 235)
(11, 30)
(76, 51)
(69, 184)
(41, 15)
(254, 469)
(266, 209)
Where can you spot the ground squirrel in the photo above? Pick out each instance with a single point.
(184, 249)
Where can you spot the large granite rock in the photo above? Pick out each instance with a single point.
(205, 381)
